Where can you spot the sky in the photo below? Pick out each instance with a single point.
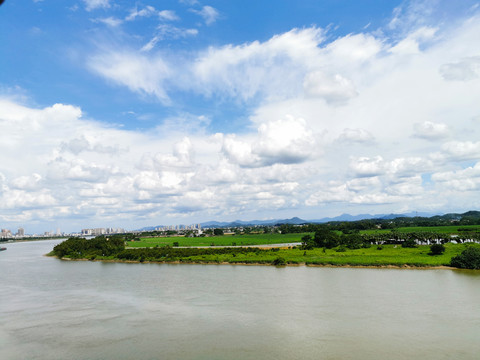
(131, 114)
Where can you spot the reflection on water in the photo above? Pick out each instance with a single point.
(52, 309)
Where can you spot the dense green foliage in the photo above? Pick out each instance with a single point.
(468, 259)
(81, 248)
(437, 249)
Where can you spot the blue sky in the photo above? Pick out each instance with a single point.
(122, 114)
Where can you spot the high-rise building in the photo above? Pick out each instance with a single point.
(21, 232)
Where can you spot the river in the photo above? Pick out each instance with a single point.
(53, 309)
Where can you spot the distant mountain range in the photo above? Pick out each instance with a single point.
(298, 221)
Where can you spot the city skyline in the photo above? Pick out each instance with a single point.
(189, 111)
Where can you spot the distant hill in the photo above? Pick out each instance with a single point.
(473, 214)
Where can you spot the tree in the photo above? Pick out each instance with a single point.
(437, 249)
(217, 232)
(409, 243)
(307, 242)
(326, 238)
(468, 259)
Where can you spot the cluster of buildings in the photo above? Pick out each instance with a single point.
(102, 231)
(7, 234)
(195, 227)
(181, 229)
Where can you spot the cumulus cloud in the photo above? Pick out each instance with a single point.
(430, 130)
(286, 141)
(462, 150)
(367, 167)
(81, 143)
(78, 169)
(27, 182)
(467, 179)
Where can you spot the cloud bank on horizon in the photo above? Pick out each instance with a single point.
(113, 114)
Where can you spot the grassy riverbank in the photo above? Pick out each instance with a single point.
(384, 256)
(389, 255)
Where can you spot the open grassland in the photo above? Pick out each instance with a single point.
(224, 240)
(389, 255)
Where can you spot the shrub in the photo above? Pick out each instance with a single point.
(341, 248)
(468, 259)
(437, 249)
(279, 261)
(409, 243)
(175, 244)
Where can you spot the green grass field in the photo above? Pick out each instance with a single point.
(225, 240)
(389, 255)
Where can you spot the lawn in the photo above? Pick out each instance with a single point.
(224, 240)
(388, 255)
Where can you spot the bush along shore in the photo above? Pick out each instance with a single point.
(320, 250)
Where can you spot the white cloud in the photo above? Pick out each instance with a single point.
(168, 32)
(286, 141)
(462, 180)
(356, 136)
(29, 182)
(430, 130)
(147, 11)
(168, 15)
(466, 69)
(406, 167)
(109, 21)
(208, 13)
(96, 4)
(462, 150)
(137, 72)
(333, 88)
(273, 68)
(410, 45)
(367, 167)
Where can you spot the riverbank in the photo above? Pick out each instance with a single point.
(180, 262)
